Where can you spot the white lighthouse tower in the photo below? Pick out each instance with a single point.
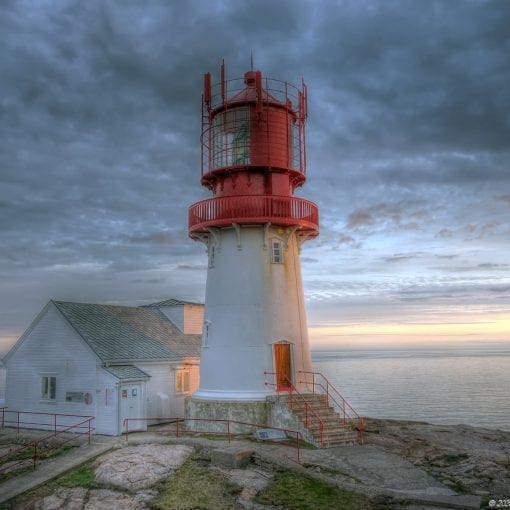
(255, 337)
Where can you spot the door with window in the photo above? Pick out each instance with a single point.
(283, 366)
(131, 406)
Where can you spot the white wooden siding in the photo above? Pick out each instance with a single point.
(193, 319)
(159, 389)
(162, 399)
(52, 347)
(106, 403)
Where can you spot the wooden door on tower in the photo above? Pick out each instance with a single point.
(283, 367)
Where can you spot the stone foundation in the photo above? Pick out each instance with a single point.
(206, 411)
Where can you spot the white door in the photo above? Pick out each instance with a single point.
(131, 407)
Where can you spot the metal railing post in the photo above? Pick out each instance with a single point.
(177, 428)
(89, 420)
(297, 447)
(55, 424)
(17, 428)
(35, 453)
(228, 430)
(126, 424)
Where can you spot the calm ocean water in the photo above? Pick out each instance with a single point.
(438, 385)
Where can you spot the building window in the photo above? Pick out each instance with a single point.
(182, 378)
(276, 251)
(49, 388)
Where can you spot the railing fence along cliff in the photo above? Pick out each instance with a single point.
(348, 415)
(312, 418)
(179, 429)
(75, 427)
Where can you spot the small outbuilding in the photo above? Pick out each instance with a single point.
(111, 362)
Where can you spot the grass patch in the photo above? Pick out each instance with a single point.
(196, 487)
(81, 476)
(15, 472)
(27, 455)
(298, 492)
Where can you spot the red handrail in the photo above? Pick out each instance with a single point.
(227, 421)
(84, 424)
(291, 389)
(348, 413)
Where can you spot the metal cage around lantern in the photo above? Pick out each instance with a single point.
(253, 122)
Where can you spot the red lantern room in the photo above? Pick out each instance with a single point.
(253, 155)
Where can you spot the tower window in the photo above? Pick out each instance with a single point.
(276, 251)
(206, 333)
(211, 255)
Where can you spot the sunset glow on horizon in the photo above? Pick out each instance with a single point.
(388, 334)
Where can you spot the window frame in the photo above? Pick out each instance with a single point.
(182, 380)
(48, 394)
(277, 250)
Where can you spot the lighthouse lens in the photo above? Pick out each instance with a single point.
(231, 138)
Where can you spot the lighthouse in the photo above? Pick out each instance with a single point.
(255, 336)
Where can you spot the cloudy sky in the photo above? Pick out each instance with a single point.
(408, 156)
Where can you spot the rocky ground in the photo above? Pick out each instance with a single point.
(468, 459)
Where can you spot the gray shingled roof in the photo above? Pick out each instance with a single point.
(126, 372)
(171, 302)
(121, 333)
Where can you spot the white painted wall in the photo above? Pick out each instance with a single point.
(193, 319)
(106, 404)
(250, 304)
(52, 347)
(162, 399)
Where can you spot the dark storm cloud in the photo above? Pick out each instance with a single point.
(408, 132)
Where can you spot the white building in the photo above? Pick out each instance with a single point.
(111, 362)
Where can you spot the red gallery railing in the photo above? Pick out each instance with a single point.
(245, 209)
(348, 415)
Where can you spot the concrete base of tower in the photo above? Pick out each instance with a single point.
(202, 415)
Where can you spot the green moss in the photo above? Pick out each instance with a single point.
(298, 492)
(196, 487)
(81, 476)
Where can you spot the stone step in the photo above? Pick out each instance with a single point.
(307, 398)
(334, 432)
(336, 437)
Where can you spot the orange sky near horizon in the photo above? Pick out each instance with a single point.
(495, 328)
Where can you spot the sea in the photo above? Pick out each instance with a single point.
(444, 385)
